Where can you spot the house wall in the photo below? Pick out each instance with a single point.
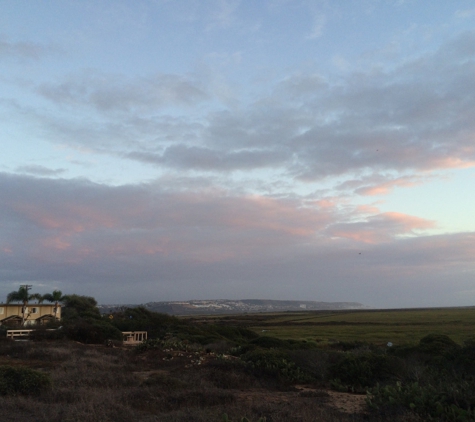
(8, 310)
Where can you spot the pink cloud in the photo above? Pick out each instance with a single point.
(326, 203)
(454, 162)
(367, 209)
(203, 226)
(67, 217)
(407, 222)
(262, 213)
(387, 186)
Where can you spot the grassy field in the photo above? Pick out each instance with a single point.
(376, 326)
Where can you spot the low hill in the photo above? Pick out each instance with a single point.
(224, 306)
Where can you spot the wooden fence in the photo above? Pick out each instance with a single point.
(18, 334)
(134, 337)
(128, 337)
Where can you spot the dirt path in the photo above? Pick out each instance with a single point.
(343, 402)
(347, 402)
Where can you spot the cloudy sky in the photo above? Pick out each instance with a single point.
(174, 150)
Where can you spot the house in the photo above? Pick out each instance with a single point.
(13, 315)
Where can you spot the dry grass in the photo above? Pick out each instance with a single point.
(100, 384)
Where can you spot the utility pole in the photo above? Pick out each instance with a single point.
(25, 303)
(26, 287)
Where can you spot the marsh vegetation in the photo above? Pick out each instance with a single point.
(210, 369)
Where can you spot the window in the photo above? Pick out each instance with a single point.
(34, 310)
(1, 310)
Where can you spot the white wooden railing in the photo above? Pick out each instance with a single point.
(18, 333)
(129, 337)
(134, 337)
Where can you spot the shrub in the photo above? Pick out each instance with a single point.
(357, 372)
(269, 343)
(91, 331)
(447, 401)
(77, 306)
(229, 374)
(315, 363)
(19, 380)
(170, 343)
(464, 360)
(437, 345)
(141, 319)
(43, 333)
(301, 345)
(276, 364)
(346, 346)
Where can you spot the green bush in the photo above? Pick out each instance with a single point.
(43, 333)
(346, 346)
(464, 360)
(169, 343)
(357, 372)
(77, 306)
(276, 364)
(438, 383)
(437, 345)
(141, 319)
(269, 343)
(20, 380)
(429, 347)
(91, 331)
(315, 363)
(447, 401)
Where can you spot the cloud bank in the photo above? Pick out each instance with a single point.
(77, 233)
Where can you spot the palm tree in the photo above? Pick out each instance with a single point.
(22, 295)
(56, 297)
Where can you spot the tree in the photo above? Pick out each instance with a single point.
(82, 321)
(22, 295)
(77, 306)
(56, 297)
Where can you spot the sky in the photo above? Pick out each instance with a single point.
(158, 150)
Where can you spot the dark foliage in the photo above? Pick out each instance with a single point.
(347, 346)
(441, 384)
(91, 331)
(77, 306)
(20, 380)
(83, 322)
(141, 319)
(358, 372)
(276, 364)
(269, 343)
